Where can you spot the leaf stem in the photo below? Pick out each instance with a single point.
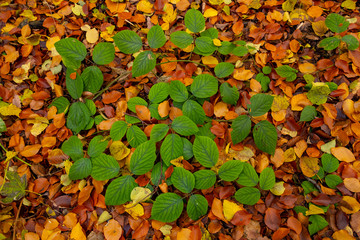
(120, 78)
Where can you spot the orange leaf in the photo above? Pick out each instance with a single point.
(30, 150)
(307, 67)
(84, 194)
(217, 209)
(221, 109)
(238, 27)
(184, 234)
(113, 230)
(281, 233)
(314, 11)
(298, 102)
(142, 230)
(353, 184)
(143, 112)
(294, 224)
(309, 166)
(349, 205)
(174, 112)
(48, 141)
(164, 109)
(342, 235)
(242, 74)
(31, 236)
(343, 154)
(70, 220)
(168, 67)
(111, 97)
(78, 233)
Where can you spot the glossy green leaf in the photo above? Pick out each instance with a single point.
(308, 114)
(205, 44)
(93, 79)
(226, 48)
(136, 101)
(75, 87)
(78, 117)
(135, 136)
(119, 190)
(61, 103)
(178, 91)
(336, 23)
(287, 72)
(260, 104)
(333, 180)
(317, 223)
(103, 53)
(118, 130)
(204, 85)
(159, 92)
(197, 206)
(329, 162)
(194, 20)
(171, 148)
(330, 43)
(265, 136)
(156, 37)
(73, 148)
(351, 42)
(142, 160)
(181, 39)
(72, 52)
(241, 128)
(184, 126)
(104, 167)
(231, 170)
(205, 151)
(143, 63)
(267, 179)
(2, 126)
(229, 94)
(248, 177)
(128, 41)
(224, 69)
(158, 132)
(80, 169)
(183, 180)
(212, 33)
(97, 146)
(204, 179)
(248, 195)
(194, 111)
(240, 51)
(188, 149)
(167, 207)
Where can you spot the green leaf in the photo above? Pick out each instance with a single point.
(181, 39)
(319, 93)
(211, 33)
(15, 188)
(224, 69)
(205, 44)
(266, 70)
(194, 111)
(317, 223)
(286, 72)
(188, 149)
(118, 192)
(80, 169)
(205, 151)
(143, 63)
(97, 146)
(205, 131)
(204, 86)
(240, 51)
(167, 207)
(2, 126)
(159, 92)
(158, 132)
(333, 180)
(329, 162)
(308, 187)
(78, 117)
(135, 101)
(118, 130)
(248, 177)
(229, 94)
(158, 173)
(93, 79)
(336, 23)
(183, 180)
(267, 179)
(72, 52)
(241, 128)
(142, 160)
(300, 209)
(178, 91)
(194, 20)
(91, 106)
(184, 126)
(260, 104)
(128, 41)
(135, 136)
(104, 167)
(265, 136)
(351, 42)
(264, 81)
(204, 179)
(248, 195)
(61, 103)
(154, 112)
(226, 48)
(75, 87)
(308, 114)
(171, 148)
(73, 148)
(103, 53)
(156, 37)
(330, 43)
(197, 206)
(230, 170)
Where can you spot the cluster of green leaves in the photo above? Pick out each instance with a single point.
(73, 52)
(338, 24)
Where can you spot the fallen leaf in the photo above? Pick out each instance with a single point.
(353, 184)
(78, 233)
(230, 208)
(113, 230)
(343, 154)
(309, 166)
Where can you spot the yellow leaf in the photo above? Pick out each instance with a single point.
(210, 12)
(105, 215)
(177, 162)
(216, 2)
(29, 15)
(314, 210)
(40, 123)
(255, 4)
(210, 61)
(279, 103)
(299, 14)
(289, 155)
(118, 150)
(230, 208)
(307, 67)
(309, 166)
(319, 28)
(278, 189)
(140, 194)
(77, 233)
(170, 14)
(289, 5)
(349, 4)
(349, 205)
(10, 110)
(244, 155)
(10, 155)
(166, 229)
(144, 6)
(342, 234)
(134, 209)
(217, 42)
(242, 74)
(78, 10)
(67, 163)
(92, 36)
